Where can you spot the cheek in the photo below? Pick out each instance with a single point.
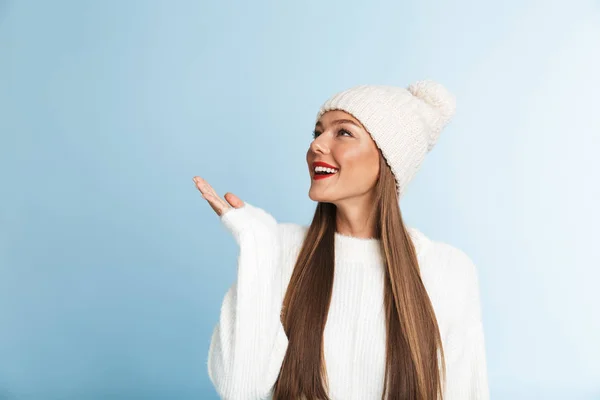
(359, 165)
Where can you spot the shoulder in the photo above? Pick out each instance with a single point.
(421, 242)
(445, 259)
(455, 260)
(452, 279)
(291, 236)
(290, 231)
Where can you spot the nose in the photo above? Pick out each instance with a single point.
(319, 146)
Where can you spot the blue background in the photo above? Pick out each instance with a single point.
(113, 267)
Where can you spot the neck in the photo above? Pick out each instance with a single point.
(355, 217)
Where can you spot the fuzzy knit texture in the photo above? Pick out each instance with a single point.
(249, 343)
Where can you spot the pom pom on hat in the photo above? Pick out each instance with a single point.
(442, 103)
(405, 123)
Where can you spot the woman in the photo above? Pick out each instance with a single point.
(356, 305)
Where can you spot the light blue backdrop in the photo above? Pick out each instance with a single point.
(112, 266)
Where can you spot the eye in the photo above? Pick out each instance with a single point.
(317, 133)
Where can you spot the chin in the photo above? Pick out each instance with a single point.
(315, 196)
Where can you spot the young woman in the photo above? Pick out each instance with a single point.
(356, 305)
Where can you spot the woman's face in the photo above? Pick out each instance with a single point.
(341, 141)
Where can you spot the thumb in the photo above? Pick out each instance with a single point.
(233, 200)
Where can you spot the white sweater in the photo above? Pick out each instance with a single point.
(249, 343)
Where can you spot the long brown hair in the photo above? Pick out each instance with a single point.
(413, 370)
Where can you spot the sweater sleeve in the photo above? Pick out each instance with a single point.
(249, 343)
(465, 356)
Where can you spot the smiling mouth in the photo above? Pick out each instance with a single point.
(323, 175)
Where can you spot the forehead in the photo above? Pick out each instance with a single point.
(333, 115)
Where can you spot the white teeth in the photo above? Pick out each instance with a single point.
(323, 169)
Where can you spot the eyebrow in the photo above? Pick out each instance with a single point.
(339, 121)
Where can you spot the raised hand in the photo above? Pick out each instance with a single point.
(216, 202)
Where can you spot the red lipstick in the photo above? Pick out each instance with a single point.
(323, 164)
(316, 176)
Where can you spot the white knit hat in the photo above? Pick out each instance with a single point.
(404, 123)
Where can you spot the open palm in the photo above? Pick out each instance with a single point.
(217, 203)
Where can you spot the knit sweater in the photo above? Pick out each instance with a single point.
(248, 344)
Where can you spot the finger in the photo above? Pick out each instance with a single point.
(216, 204)
(203, 186)
(209, 194)
(233, 200)
(230, 197)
